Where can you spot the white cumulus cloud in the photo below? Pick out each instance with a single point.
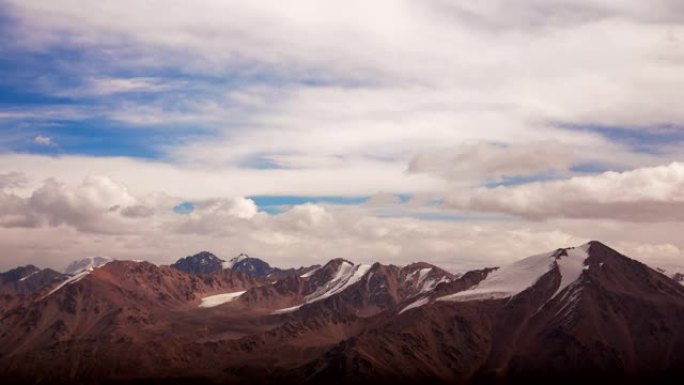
(648, 194)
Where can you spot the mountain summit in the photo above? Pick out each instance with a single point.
(207, 263)
(29, 279)
(85, 264)
(235, 260)
(243, 263)
(203, 262)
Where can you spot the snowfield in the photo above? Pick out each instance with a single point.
(418, 303)
(347, 274)
(512, 279)
(220, 299)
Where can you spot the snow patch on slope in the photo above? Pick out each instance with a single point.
(418, 303)
(420, 280)
(234, 261)
(422, 274)
(512, 279)
(220, 299)
(430, 284)
(287, 310)
(571, 266)
(69, 281)
(507, 280)
(346, 275)
(78, 270)
(27, 276)
(309, 273)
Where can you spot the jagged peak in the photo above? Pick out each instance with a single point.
(235, 260)
(418, 265)
(86, 264)
(19, 273)
(594, 244)
(200, 256)
(337, 262)
(203, 262)
(203, 254)
(243, 263)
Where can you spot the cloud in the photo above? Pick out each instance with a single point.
(58, 222)
(107, 86)
(383, 199)
(91, 217)
(137, 211)
(215, 216)
(103, 211)
(341, 99)
(44, 141)
(91, 207)
(14, 211)
(203, 181)
(104, 86)
(492, 161)
(493, 54)
(98, 205)
(648, 194)
(425, 77)
(12, 180)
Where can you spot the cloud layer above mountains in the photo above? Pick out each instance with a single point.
(456, 132)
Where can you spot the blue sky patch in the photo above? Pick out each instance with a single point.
(523, 179)
(184, 208)
(276, 204)
(260, 163)
(645, 139)
(95, 137)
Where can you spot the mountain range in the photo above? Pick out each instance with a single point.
(568, 315)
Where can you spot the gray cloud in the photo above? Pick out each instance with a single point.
(490, 161)
(137, 211)
(13, 180)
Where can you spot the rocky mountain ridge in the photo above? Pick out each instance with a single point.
(582, 313)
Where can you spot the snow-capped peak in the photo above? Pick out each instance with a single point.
(78, 270)
(235, 261)
(512, 279)
(346, 275)
(86, 264)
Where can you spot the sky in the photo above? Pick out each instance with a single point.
(461, 133)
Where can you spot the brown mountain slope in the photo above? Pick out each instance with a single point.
(618, 319)
(571, 314)
(123, 312)
(621, 318)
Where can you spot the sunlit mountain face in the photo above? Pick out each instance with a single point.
(280, 136)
